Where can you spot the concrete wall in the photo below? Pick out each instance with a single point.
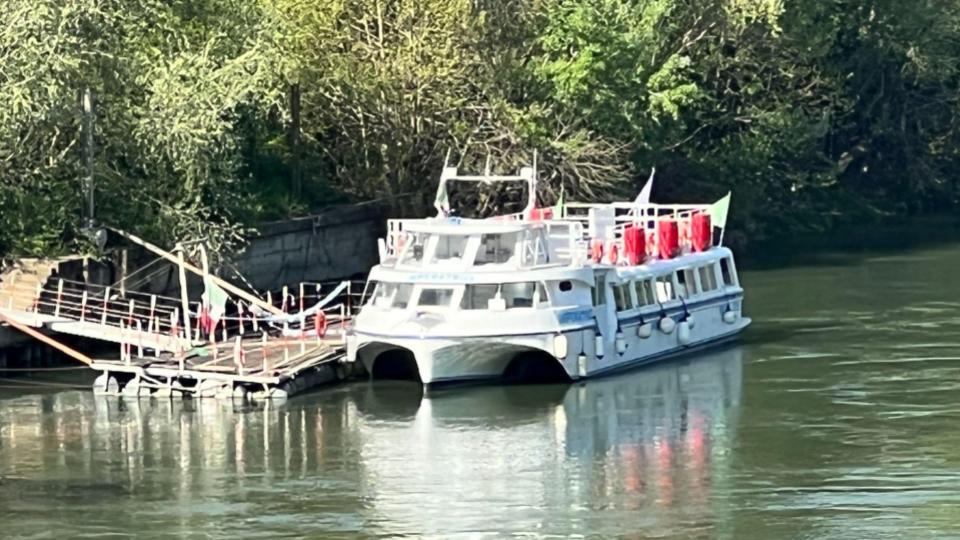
(339, 243)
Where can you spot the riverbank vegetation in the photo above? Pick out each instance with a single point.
(211, 115)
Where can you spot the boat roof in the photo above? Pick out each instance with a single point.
(454, 225)
(659, 266)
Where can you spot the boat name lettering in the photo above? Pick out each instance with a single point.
(576, 316)
(441, 277)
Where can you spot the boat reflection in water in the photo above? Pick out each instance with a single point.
(644, 452)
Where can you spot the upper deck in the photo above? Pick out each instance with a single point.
(574, 235)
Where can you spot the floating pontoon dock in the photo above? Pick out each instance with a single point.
(167, 347)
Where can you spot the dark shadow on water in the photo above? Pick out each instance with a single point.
(388, 399)
(849, 245)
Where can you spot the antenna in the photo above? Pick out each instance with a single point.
(534, 163)
(446, 159)
(486, 167)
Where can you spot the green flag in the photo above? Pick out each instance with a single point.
(216, 299)
(718, 211)
(558, 208)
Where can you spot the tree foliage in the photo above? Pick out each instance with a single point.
(810, 111)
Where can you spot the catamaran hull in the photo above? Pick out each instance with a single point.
(578, 352)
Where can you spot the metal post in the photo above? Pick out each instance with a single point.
(238, 356)
(184, 297)
(56, 311)
(106, 306)
(139, 339)
(88, 138)
(239, 304)
(263, 350)
(297, 169)
(153, 307)
(123, 273)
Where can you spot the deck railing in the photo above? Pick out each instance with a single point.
(156, 322)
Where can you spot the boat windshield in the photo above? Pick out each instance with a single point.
(450, 249)
(391, 295)
(496, 248)
(435, 297)
(414, 249)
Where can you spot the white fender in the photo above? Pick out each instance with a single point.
(691, 321)
(582, 365)
(645, 330)
(683, 333)
(730, 316)
(621, 343)
(560, 346)
(132, 388)
(598, 345)
(105, 385)
(667, 325)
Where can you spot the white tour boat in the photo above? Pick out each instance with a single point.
(567, 292)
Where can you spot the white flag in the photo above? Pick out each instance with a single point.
(644, 196)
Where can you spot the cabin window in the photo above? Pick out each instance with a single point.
(496, 248)
(690, 276)
(392, 295)
(518, 295)
(534, 248)
(478, 296)
(450, 248)
(622, 298)
(599, 290)
(414, 246)
(645, 294)
(435, 297)
(708, 278)
(726, 269)
(665, 291)
(686, 283)
(566, 286)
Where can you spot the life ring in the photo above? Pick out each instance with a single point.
(596, 250)
(320, 321)
(614, 254)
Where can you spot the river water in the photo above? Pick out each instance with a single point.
(837, 416)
